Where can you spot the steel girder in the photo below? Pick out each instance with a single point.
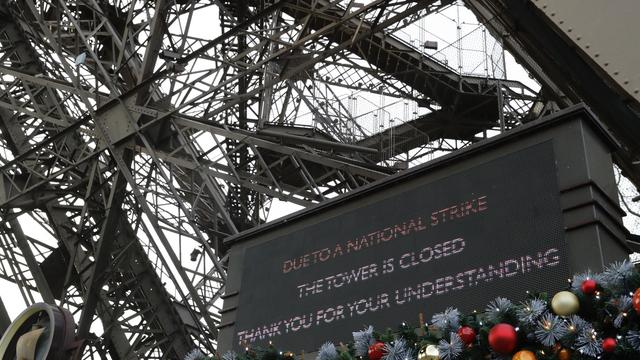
(567, 76)
(465, 105)
(139, 143)
(77, 238)
(86, 158)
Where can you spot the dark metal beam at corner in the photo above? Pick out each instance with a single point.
(5, 321)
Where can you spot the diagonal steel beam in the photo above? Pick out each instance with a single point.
(32, 263)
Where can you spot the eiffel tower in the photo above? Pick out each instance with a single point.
(137, 135)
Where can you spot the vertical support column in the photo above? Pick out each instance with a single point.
(503, 126)
(5, 321)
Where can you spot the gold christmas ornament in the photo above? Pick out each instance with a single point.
(565, 303)
(524, 355)
(429, 352)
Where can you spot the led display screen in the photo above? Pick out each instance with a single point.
(491, 230)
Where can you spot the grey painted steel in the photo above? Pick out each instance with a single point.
(572, 76)
(5, 321)
(619, 23)
(136, 163)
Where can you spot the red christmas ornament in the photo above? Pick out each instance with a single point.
(467, 334)
(589, 286)
(636, 300)
(503, 338)
(609, 345)
(376, 351)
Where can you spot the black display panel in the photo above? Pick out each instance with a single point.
(492, 230)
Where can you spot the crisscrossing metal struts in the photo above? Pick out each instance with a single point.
(137, 136)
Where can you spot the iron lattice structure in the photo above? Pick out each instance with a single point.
(140, 134)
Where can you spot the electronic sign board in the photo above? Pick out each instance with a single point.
(494, 229)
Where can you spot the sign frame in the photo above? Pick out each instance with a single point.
(593, 233)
